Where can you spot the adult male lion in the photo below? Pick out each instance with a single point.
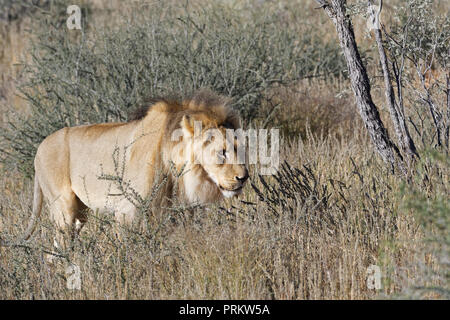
(70, 163)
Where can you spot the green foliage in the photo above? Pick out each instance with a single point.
(421, 33)
(427, 199)
(99, 76)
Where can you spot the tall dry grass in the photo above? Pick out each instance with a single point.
(309, 233)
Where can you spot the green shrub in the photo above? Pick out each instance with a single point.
(424, 33)
(15, 10)
(428, 200)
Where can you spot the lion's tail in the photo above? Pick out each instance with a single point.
(37, 208)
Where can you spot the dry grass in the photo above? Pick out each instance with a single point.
(316, 244)
(12, 52)
(315, 105)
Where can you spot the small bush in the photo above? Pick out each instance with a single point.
(15, 10)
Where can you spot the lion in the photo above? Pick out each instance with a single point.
(70, 162)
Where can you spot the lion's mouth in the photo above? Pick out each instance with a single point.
(231, 190)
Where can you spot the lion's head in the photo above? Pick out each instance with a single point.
(206, 141)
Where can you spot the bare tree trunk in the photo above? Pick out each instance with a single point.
(361, 85)
(447, 122)
(397, 113)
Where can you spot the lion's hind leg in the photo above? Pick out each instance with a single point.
(69, 215)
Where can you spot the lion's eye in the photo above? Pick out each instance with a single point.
(222, 154)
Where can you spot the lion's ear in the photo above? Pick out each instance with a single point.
(187, 124)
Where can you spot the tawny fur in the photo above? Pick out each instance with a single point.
(69, 162)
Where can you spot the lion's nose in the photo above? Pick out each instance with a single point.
(243, 178)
